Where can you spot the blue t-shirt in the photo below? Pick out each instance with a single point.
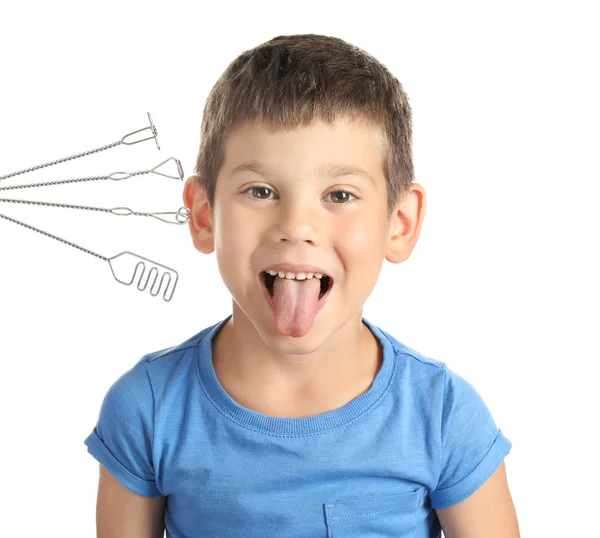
(421, 438)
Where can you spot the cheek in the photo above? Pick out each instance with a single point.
(360, 237)
(233, 240)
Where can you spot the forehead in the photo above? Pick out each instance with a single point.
(344, 145)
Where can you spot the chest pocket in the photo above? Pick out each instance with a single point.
(374, 516)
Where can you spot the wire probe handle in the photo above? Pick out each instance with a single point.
(90, 152)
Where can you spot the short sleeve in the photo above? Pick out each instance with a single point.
(123, 436)
(472, 446)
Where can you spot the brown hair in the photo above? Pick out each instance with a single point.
(293, 79)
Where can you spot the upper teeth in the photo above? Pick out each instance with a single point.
(296, 276)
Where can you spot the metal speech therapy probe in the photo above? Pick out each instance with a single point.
(115, 176)
(124, 267)
(181, 216)
(151, 127)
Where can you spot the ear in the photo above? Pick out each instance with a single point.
(405, 224)
(200, 223)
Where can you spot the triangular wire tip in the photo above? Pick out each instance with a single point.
(180, 173)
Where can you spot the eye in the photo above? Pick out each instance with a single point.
(260, 192)
(263, 192)
(345, 199)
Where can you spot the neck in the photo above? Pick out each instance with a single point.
(349, 357)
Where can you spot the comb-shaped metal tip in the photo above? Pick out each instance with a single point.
(122, 263)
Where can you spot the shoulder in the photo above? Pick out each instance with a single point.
(414, 362)
(468, 445)
(409, 361)
(168, 359)
(433, 388)
(173, 352)
(157, 372)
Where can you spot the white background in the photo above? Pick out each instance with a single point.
(502, 286)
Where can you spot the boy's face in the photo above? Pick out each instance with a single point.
(293, 212)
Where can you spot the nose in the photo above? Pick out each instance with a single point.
(296, 222)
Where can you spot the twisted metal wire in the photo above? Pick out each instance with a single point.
(39, 166)
(65, 181)
(48, 183)
(179, 217)
(54, 204)
(55, 237)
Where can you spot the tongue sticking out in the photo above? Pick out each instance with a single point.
(295, 305)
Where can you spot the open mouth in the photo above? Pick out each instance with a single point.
(269, 280)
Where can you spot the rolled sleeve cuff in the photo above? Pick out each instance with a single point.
(100, 451)
(458, 492)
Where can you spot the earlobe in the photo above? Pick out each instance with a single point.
(405, 224)
(200, 223)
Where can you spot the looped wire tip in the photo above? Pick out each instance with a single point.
(182, 216)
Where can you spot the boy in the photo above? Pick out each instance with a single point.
(296, 417)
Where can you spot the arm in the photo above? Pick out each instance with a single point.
(121, 513)
(488, 512)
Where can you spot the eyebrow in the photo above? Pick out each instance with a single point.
(333, 170)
